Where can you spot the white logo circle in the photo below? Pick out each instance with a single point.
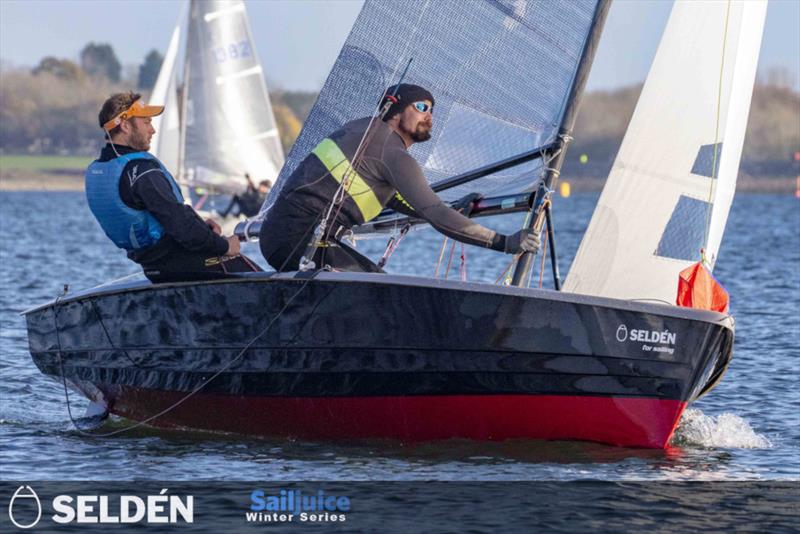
(622, 333)
(29, 495)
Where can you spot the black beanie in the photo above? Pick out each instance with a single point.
(406, 95)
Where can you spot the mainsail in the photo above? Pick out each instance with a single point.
(224, 126)
(500, 71)
(670, 189)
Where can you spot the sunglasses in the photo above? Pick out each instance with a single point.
(423, 107)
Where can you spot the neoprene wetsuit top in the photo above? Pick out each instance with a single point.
(386, 176)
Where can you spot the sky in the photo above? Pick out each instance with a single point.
(298, 40)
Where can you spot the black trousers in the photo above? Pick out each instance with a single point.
(288, 229)
(184, 266)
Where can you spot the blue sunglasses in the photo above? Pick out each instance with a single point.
(423, 107)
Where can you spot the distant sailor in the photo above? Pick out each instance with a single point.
(249, 202)
(386, 175)
(140, 206)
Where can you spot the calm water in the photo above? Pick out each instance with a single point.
(747, 428)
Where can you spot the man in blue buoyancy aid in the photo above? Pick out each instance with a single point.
(384, 175)
(140, 206)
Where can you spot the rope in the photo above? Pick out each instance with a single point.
(108, 337)
(463, 268)
(185, 397)
(541, 265)
(441, 257)
(716, 139)
(508, 268)
(450, 260)
(344, 186)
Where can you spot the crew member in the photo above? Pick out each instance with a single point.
(385, 174)
(140, 206)
(251, 200)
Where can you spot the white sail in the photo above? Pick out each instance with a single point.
(672, 184)
(230, 129)
(165, 144)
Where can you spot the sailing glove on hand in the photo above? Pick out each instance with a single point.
(526, 240)
(465, 204)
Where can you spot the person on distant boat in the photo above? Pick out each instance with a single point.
(251, 200)
(140, 206)
(386, 175)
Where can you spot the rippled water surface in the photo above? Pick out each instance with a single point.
(747, 428)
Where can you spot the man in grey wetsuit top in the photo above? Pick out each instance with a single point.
(386, 175)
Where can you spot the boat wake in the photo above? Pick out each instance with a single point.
(726, 430)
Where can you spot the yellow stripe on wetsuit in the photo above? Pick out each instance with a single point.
(337, 164)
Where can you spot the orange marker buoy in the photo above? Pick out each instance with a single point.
(565, 189)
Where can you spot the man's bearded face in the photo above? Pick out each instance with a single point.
(417, 124)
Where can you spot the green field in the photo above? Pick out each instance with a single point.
(44, 163)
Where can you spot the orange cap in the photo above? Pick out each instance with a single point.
(137, 109)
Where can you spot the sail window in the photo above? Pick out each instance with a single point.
(683, 236)
(707, 161)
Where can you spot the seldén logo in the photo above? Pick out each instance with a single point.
(622, 333)
(102, 509)
(24, 498)
(652, 340)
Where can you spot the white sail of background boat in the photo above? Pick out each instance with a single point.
(222, 126)
(672, 184)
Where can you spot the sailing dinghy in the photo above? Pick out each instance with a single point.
(218, 123)
(330, 355)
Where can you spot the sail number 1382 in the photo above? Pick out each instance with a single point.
(232, 51)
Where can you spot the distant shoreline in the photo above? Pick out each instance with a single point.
(24, 180)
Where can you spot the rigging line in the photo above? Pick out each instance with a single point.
(463, 269)
(359, 149)
(450, 261)
(344, 186)
(541, 266)
(188, 395)
(716, 136)
(441, 257)
(108, 337)
(505, 271)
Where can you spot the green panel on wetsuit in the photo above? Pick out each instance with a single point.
(337, 164)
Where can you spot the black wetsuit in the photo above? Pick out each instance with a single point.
(189, 249)
(393, 179)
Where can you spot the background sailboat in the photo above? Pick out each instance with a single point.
(218, 124)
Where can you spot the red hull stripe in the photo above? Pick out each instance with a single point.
(631, 422)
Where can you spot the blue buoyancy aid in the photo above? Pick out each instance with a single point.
(128, 228)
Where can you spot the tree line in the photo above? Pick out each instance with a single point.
(52, 109)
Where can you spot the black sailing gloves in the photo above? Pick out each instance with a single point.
(525, 240)
(465, 204)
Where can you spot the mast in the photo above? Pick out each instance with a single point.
(184, 99)
(542, 197)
